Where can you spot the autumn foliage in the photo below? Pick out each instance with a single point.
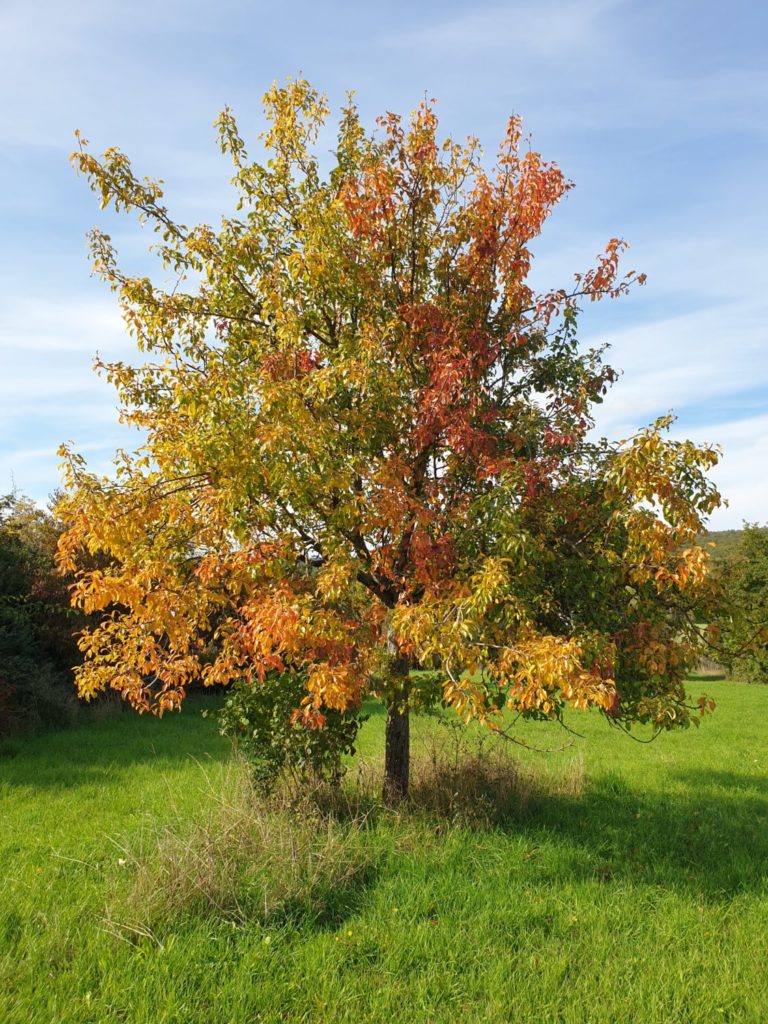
(367, 446)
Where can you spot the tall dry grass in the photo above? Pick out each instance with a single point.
(308, 852)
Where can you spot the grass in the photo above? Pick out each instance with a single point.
(619, 882)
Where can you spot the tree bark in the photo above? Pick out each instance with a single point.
(397, 752)
(397, 748)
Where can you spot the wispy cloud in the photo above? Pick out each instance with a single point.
(554, 29)
(695, 359)
(75, 325)
(744, 443)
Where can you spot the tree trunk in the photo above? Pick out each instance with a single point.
(397, 751)
(397, 754)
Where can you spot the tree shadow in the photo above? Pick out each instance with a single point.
(723, 780)
(109, 749)
(709, 837)
(324, 907)
(706, 833)
(327, 906)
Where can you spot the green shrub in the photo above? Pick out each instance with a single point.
(259, 717)
(743, 618)
(37, 626)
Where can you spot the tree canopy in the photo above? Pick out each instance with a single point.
(368, 445)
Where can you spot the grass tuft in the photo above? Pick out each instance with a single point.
(247, 858)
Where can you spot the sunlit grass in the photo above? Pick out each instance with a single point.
(627, 882)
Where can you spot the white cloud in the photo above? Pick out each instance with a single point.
(12, 461)
(741, 476)
(692, 360)
(706, 366)
(35, 471)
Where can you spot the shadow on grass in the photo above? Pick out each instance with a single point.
(706, 841)
(108, 749)
(709, 838)
(707, 833)
(326, 907)
(723, 781)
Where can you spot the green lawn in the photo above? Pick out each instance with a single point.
(641, 897)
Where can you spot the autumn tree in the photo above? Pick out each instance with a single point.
(367, 446)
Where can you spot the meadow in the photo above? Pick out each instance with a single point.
(619, 882)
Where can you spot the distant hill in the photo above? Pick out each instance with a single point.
(725, 541)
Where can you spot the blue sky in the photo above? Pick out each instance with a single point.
(658, 110)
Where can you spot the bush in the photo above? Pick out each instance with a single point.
(259, 717)
(34, 695)
(37, 646)
(743, 618)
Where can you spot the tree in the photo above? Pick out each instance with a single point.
(367, 447)
(742, 617)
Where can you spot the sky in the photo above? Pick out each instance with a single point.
(656, 109)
